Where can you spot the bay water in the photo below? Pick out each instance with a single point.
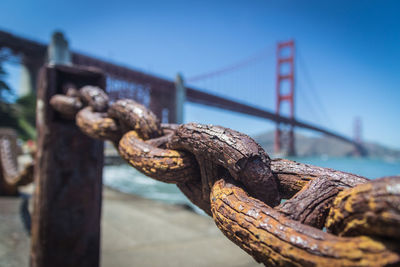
(128, 180)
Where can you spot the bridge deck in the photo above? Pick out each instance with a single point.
(22, 45)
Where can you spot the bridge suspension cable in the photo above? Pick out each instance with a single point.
(264, 53)
(252, 78)
(247, 80)
(310, 105)
(311, 87)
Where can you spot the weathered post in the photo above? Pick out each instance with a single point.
(68, 176)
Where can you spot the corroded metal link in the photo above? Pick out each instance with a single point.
(171, 166)
(230, 151)
(369, 209)
(275, 240)
(9, 166)
(193, 156)
(293, 176)
(162, 140)
(134, 116)
(165, 165)
(162, 164)
(311, 204)
(67, 106)
(71, 91)
(168, 131)
(94, 97)
(10, 177)
(98, 125)
(170, 126)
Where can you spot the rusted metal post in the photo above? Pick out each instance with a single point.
(68, 176)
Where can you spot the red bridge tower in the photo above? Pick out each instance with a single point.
(285, 91)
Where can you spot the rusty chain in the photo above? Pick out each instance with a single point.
(329, 218)
(10, 177)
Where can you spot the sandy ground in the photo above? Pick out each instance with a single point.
(135, 232)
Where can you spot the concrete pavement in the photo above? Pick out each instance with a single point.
(135, 232)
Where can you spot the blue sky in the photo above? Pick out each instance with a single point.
(350, 49)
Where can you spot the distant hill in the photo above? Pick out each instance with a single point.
(329, 146)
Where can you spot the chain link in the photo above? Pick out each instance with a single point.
(229, 176)
(10, 176)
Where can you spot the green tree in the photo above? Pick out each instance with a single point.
(3, 85)
(19, 115)
(7, 118)
(25, 108)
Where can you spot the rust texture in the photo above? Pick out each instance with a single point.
(369, 209)
(67, 106)
(311, 204)
(98, 125)
(134, 116)
(94, 97)
(229, 176)
(275, 240)
(220, 149)
(165, 165)
(10, 176)
(293, 176)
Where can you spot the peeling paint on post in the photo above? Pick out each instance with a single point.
(68, 176)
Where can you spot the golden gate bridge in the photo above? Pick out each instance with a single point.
(166, 98)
